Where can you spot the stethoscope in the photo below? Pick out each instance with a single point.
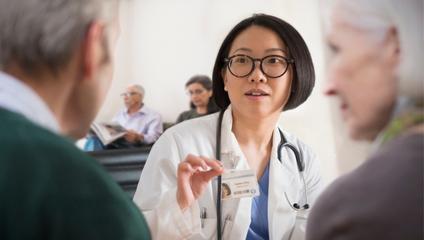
(283, 143)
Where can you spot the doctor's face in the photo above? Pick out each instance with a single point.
(361, 75)
(257, 95)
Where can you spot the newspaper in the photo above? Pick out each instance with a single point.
(108, 132)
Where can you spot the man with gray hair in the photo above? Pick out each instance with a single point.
(56, 60)
(144, 125)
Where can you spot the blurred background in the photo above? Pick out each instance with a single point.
(165, 42)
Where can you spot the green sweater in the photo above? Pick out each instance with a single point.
(192, 113)
(51, 190)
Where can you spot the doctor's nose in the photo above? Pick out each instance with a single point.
(257, 75)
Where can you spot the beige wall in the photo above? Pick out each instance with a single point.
(164, 42)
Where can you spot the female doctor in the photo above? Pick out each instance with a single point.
(262, 68)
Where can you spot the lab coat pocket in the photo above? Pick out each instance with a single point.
(208, 228)
(226, 230)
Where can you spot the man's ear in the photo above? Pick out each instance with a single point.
(93, 49)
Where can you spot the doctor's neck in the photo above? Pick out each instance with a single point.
(254, 129)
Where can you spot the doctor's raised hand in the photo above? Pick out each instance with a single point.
(193, 175)
(271, 178)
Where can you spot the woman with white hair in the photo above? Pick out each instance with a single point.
(376, 72)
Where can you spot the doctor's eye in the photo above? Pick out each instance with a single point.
(241, 60)
(274, 60)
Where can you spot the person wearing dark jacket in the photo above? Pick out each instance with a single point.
(199, 88)
(56, 59)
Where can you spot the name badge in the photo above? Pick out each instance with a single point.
(239, 184)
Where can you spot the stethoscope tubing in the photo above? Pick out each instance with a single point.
(218, 157)
(283, 143)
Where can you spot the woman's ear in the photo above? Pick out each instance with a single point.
(392, 51)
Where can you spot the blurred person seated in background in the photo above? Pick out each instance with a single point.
(144, 125)
(55, 57)
(375, 71)
(199, 88)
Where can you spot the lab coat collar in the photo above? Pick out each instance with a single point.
(229, 144)
(235, 211)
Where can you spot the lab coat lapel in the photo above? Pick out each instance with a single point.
(227, 140)
(282, 178)
(238, 209)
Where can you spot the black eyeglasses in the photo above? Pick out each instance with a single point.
(273, 66)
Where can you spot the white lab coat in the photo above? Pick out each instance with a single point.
(156, 191)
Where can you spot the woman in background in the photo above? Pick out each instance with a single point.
(199, 88)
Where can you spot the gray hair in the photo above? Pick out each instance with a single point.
(378, 16)
(35, 32)
(138, 88)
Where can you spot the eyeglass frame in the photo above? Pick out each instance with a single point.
(129, 94)
(254, 60)
(196, 92)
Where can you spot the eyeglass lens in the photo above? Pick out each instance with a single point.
(128, 94)
(195, 92)
(272, 66)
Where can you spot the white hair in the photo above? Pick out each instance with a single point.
(378, 16)
(34, 32)
(138, 88)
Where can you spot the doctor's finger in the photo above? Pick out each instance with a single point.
(216, 168)
(185, 168)
(184, 191)
(214, 164)
(207, 176)
(195, 161)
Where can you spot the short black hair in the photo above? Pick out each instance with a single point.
(303, 69)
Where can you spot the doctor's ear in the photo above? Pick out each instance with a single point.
(225, 84)
(224, 79)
